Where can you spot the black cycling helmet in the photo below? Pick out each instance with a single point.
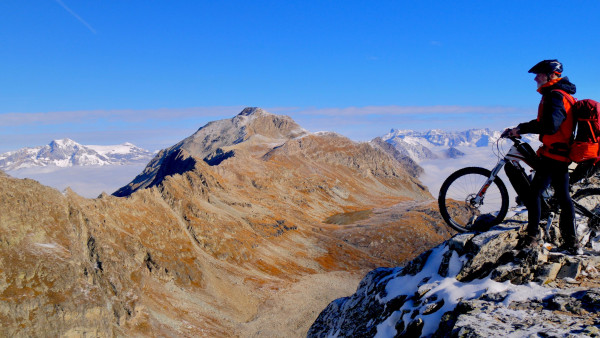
(547, 67)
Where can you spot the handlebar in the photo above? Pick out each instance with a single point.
(515, 139)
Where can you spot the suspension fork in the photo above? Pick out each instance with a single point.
(479, 197)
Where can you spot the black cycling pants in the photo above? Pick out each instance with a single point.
(556, 173)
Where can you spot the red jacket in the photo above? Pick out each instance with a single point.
(554, 122)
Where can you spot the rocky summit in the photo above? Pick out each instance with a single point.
(249, 227)
(219, 140)
(473, 285)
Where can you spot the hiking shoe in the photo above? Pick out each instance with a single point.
(528, 242)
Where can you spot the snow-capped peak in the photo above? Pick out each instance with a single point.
(66, 153)
(437, 137)
(421, 145)
(66, 142)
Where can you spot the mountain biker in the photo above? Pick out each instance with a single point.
(554, 124)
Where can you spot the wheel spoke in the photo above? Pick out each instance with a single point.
(458, 194)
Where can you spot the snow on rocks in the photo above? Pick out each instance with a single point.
(471, 285)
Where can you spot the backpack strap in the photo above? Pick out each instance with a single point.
(569, 97)
(592, 130)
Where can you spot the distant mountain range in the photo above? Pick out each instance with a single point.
(68, 153)
(409, 146)
(438, 143)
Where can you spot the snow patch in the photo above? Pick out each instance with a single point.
(46, 245)
(449, 290)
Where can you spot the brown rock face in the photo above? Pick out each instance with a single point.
(215, 238)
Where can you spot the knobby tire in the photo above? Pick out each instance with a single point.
(458, 190)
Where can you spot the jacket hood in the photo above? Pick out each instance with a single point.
(562, 84)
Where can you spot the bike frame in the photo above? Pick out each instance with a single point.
(514, 157)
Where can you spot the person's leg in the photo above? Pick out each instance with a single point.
(541, 181)
(560, 182)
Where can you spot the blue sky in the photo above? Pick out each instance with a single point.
(153, 72)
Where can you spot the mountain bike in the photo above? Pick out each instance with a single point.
(475, 198)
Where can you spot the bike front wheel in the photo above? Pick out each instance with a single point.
(466, 205)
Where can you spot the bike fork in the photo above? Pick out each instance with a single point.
(479, 197)
(548, 225)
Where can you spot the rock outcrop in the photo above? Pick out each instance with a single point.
(407, 162)
(473, 286)
(454, 153)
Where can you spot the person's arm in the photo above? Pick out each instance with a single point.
(531, 127)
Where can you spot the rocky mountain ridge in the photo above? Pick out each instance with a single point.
(221, 231)
(67, 153)
(216, 141)
(473, 285)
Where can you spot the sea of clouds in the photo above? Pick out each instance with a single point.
(87, 181)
